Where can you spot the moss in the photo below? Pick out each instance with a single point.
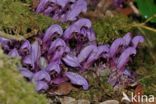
(109, 28)
(13, 88)
(18, 18)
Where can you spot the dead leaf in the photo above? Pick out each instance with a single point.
(138, 92)
(64, 89)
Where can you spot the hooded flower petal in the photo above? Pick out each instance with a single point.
(68, 32)
(53, 66)
(127, 38)
(28, 61)
(41, 6)
(91, 35)
(41, 75)
(51, 31)
(55, 44)
(78, 7)
(26, 73)
(124, 57)
(26, 45)
(14, 53)
(84, 54)
(41, 85)
(36, 51)
(116, 46)
(62, 3)
(71, 60)
(83, 22)
(136, 40)
(58, 54)
(77, 79)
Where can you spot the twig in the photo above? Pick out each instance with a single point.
(14, 37)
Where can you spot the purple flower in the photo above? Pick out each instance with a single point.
(42, 76)
(77, 27)
(14, 53)
(41, 85)
(41, 6)
(57, 44)
(71, 60)
(26, 73)
(25, 49)
(85, 52)
(116, 46)
(124, 57)
(127, 38)
(78, 7)
(52, 31)
(53, 66)
(136, 40)
(77, 79)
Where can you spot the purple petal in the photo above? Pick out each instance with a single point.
(114, 49)
(91, 35)
(62, 3)
(41, 6)
(58, 54)
(103, 49)
(83, 22)
(84, 54)
(36, 51)
(127, 38)
(92, 57)
(136, 40)
(26, 45)
(59, 80)
(68, 32)
(26, 73)
(53, 66)
(124, 57)
(51, 31)
(41, 75)
(71, 60)
(77, 79)
(28, 61)
(55, 44)
(78, 7)
(41, 85)
(14, 53)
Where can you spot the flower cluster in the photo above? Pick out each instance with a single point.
(62, 10)
(59, 55)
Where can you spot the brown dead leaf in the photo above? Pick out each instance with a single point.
(64, 89)
(138, 92)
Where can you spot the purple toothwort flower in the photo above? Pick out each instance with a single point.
(26, 73)
(124, 57)
(71, 60)
(136, 40)
(42, 75)
(116, 46)
(77, 79)
(52, 31)
(41, 85)
(78, 7)
(127, 38)
(54, 66)
(14, 53)
(85, 52)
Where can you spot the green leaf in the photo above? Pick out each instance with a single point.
(147, 8)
